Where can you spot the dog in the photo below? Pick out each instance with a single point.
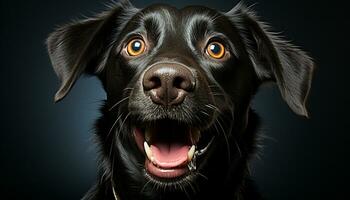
(177, 122)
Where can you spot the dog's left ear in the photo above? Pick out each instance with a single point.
(275, 59)
(78, 47)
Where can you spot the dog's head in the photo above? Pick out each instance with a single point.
(179, 84)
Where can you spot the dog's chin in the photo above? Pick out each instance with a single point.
(171, 149)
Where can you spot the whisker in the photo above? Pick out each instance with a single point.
(115, 122)
(113, 157)
(184, 190)
(217, 94)
(191, 186)
(238, 148)
(231, 127)
(205, 113)
(203, 176)
(128, 88)
(226, 140)
(122, 124)
(249, 169)
(116, 104)
(154, 186)
(211, 106)
(144, 186)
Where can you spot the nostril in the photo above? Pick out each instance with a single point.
(156, 82)
(183, 83)
(178, 82)
(152, 82)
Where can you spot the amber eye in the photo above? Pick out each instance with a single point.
(135, 47)
(216, 50)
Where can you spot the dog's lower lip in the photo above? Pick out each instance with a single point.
(165, 173)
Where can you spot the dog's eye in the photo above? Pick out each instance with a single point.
(216, 50)
(136, 47)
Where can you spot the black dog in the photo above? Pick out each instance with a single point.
(177, 122)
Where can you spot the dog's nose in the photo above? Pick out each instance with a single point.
(168, 83)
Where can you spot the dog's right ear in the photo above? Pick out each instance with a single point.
(275, 59)
(78, 47)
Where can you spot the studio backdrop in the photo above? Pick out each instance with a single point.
(47, 150)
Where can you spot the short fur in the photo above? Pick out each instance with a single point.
(221, 105)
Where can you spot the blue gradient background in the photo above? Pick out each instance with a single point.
(47, 150)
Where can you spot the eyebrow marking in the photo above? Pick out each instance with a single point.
(198, 22)
(163, 19)
(192, 24)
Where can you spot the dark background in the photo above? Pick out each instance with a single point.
(47, 150)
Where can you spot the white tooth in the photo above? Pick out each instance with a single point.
(148, 135)
(148, 151)
(190, 153)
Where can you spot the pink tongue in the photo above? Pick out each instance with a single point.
(169, 155)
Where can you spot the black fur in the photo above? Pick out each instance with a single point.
(95, 46)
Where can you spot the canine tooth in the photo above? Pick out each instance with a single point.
(191, 153)
(148, 151)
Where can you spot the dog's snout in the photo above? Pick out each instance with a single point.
(168, 83)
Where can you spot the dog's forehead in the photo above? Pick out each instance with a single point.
(178, 20)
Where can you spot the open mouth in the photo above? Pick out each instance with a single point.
(170, 147)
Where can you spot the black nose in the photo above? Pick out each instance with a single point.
(168, 83)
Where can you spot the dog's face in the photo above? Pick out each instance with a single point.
(179, 84)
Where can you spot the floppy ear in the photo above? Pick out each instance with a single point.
(78, 47)
(275, 59)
